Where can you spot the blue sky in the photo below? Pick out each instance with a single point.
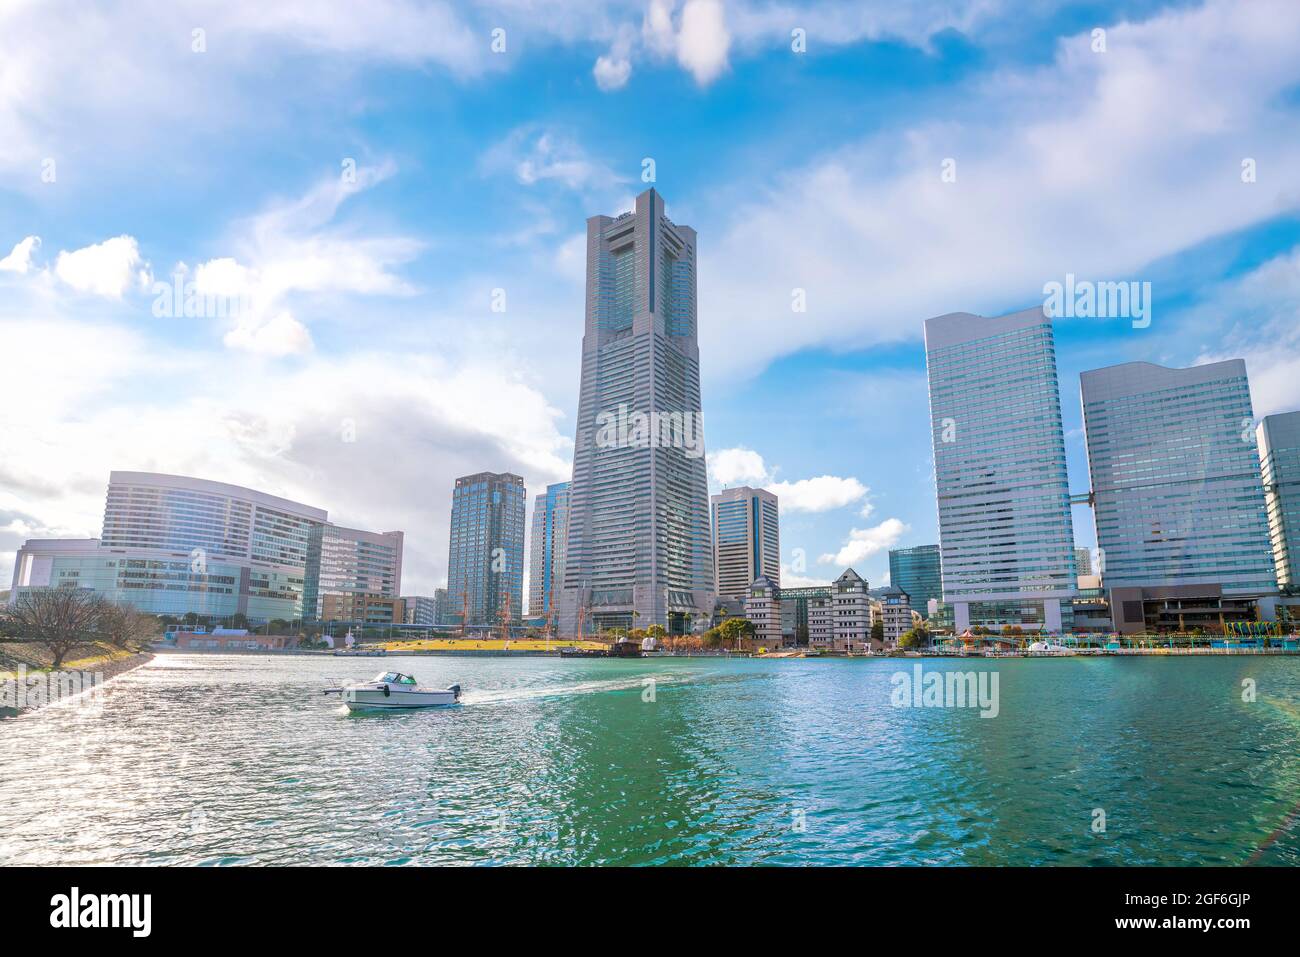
(128, 156)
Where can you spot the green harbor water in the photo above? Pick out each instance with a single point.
(218, 760)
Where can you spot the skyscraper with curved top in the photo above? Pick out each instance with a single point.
(639, 551)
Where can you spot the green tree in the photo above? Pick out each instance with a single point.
(878, 630)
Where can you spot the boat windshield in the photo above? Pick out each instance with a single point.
(395, 678)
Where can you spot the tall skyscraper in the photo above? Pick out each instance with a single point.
(485, 562)
(1005, 534)
(351, 563)
(639, 552)
(1279, 456)
(549, 540)
(1082, 562)
(746, 540)
(916, 571)
(1178, 497)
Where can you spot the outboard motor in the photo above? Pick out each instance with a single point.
(455, 690)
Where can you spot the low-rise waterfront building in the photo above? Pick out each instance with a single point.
(364, 609)
(763, 608)
(892, 607)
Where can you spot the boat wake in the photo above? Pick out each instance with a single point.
(505, 695)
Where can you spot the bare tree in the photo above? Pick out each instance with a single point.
(58, 618)
(124, 627)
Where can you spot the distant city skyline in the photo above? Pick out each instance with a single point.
(407, 283)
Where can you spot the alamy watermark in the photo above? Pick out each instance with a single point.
(653, 430)
(24, 691)
(946, 689)
(1085, 299)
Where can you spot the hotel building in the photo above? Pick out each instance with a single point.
(172, 545)
(546, 550)
(746, 540)
(485, 562)
(1005, 534)
(639, 550)
(1178, 495)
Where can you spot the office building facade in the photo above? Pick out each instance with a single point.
(746, 540)
(351, 562)
(639, 550)
(916, 571)
(1278, 442)
(546, 550)
(1005, 533)
(485, 562)
(1178, 496)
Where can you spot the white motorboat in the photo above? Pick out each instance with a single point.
(1050, 648)
(393, 690)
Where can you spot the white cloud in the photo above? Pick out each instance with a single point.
(862, 543)
(612, 72)
(19, 259)
(703, 40)
(277, 335)
(738, 466)
(534, 154)
(295, 248)
(104, 269)
(1083, 165)
(1262, 312)
(819, 494)
(742, 466)
(425, 418)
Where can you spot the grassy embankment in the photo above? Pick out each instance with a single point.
(37, 658)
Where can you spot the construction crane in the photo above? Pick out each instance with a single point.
(464, 613)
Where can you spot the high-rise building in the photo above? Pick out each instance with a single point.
(1278, 438)
(916, 571)
(485, 561)
(1178, 497)
(746, 540)
(174, 545)
(1082, 562)
(351, 562)
(546, 548)
(639, 552)
(441, 607)
(1005, 534)
(421, 610)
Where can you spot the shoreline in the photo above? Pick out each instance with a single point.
(108, 668)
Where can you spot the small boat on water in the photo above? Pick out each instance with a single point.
(1050, 648)
(393, 690)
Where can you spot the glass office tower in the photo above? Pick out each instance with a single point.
(352, 562)
(546, 550)
(1005, 534)
(746, 540)
(639, 552)
(485, 562)
(1178, 497)
(916, 571)
(1279, 456)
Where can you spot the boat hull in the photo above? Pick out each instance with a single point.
(374, 699)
